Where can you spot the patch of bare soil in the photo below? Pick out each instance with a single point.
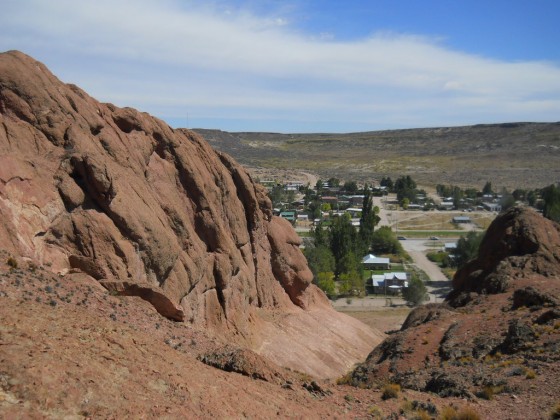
(68, 348)
(382, 319)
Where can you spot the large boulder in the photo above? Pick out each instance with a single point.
(150, 211)
(519, 243)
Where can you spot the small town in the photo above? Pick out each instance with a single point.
(419, 238)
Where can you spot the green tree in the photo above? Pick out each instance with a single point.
(352, 283)
(471, 193)
(320, 236)
(325, 281)
(467, 248)
(277, 194)
(519, 194)
(308, 195)
(351, 187)
(384, 241)
(350, 263)
(444, 190)
(405, 187)
(320, 259)
(457, 195)
(314, 208)
(507, 201)
(551, 198)
(368, 220)
(405, 203)
(387, 182)
(416, 292)
(487, 189)
(334, 182)
(343, 240)
(532, 197)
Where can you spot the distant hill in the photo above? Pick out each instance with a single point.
(514, 155)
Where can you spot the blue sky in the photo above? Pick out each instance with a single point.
(302, 65)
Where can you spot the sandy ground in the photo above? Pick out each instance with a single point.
(383, 314)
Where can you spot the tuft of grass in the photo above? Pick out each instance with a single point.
(555, 411)
(406, 407)
(467, 413)
(390, 391)
(422, 415)
(530, 374)
(344, 380)
(375, 412)
(489, 391)
(447, 413)
(12, 262)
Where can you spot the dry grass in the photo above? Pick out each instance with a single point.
(390, 391)
(463, 156)
(382, 319)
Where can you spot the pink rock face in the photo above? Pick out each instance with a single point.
(139, 206)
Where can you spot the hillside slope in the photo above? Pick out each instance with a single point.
(514, 155)
(153, 212)
(498, 333)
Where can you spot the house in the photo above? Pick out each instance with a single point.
(356, 200)
(354, 211)
(388, 283)
(414, 207)
(288, 215)
(330, 199)
(293, 186)
(371, 262)
(450, 247)
(446, 205)
(492, 206)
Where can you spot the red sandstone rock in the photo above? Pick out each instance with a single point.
(154, 212)
(503, 332)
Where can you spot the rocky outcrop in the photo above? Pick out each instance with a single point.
(501, 328)
(146, 210)
(519, 243)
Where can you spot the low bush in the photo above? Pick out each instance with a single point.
(390, 391)
(12, 262)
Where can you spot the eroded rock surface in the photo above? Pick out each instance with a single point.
(150, 211)
(498, 331)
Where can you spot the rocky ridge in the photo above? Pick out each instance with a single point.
(148, 211)
(498, 333)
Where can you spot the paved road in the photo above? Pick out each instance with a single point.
(417, 250)
(440, 285)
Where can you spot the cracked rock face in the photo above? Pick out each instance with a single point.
(123, 197)
(141, 207)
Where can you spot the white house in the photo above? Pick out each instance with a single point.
(388, 283)
(371, 262)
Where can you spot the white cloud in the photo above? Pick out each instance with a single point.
(169, 56)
